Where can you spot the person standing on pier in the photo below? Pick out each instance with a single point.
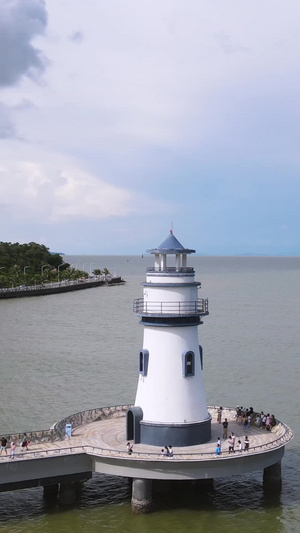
(233, 439)
(230, 444)
(3, 445)
(24, 443)
(225, 429)
(219, 417)
(12, 450)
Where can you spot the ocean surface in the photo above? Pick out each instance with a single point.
(65, 353)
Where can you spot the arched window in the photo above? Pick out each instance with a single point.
(143, 362)
(188, 364)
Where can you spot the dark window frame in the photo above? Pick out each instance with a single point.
(201, 356)
(143, 362)
(188, 364)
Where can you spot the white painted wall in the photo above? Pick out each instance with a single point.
(164, 395)
(171, 294)
(158, 299)
(169, 278)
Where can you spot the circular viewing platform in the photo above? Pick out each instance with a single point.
(109, 437)
(104, 439)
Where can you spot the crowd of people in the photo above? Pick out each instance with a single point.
(265, 421)
(245, 417)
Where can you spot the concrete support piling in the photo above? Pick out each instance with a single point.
(50, 491)
(67, 494)
(272, 477)
(141, 495)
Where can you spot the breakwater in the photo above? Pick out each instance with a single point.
(55, 288)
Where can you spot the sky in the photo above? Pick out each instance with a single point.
(120, 120)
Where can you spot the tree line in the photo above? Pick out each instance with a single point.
(34, 264)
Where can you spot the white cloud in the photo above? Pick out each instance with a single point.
(45, 185)
(53, 189)
(80, 194)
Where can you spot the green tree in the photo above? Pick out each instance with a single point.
(25, 264)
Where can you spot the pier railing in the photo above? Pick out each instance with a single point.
(90, 415)
(196, 307)
(36, 437)
(57, 431)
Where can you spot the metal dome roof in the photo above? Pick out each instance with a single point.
(171, 246)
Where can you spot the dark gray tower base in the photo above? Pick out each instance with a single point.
(175, 434)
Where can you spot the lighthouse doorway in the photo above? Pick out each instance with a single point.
(134, 416)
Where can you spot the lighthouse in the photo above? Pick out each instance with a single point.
(170, 405)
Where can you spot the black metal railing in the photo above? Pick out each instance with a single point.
(187, 270)
(197, 307)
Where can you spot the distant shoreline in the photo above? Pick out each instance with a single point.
(57, 288)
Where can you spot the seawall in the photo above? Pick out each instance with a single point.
(56, 288)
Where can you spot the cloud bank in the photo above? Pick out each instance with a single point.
(20, 22)
(122, 118)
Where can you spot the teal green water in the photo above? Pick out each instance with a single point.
(64, 353)
(230, 506)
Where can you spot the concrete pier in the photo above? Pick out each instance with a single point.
(141, 499)
(100, 447)
(272, 480)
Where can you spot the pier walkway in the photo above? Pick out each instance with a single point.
(98, 444)
(108, 438)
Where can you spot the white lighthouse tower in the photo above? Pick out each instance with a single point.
(170, 405)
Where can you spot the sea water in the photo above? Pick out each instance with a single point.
(65, 353)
